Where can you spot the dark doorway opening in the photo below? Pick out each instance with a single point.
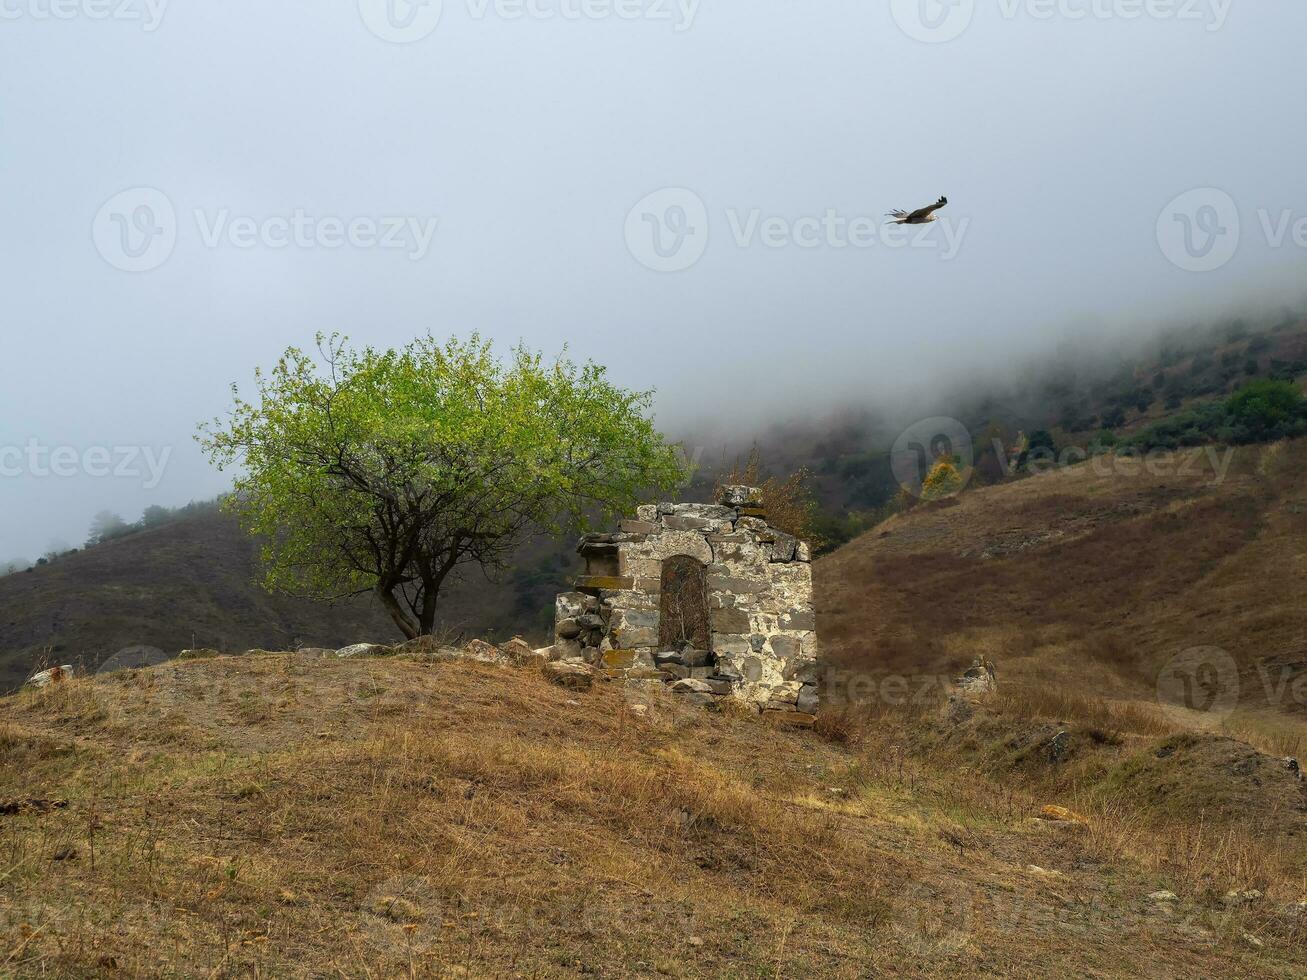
(683, 617)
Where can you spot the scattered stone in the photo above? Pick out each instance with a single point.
(1164, 896)
(53, 675)
(1060, 814)
(1035, 869)
(205, 653)
(573, 676)
(484, 652)
(522, 654)
(1236, 897)
(1252, 940)
(980, 679)
(363, 650)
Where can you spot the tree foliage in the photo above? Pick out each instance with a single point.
(391, 471)
(1260, 411)
(1265, 407)
(943, 480)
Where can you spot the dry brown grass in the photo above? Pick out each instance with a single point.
(281, 816)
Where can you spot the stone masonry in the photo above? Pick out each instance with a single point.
(707, 598)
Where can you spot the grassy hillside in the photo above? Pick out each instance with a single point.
(279, 816)
(1089, 579)
(193, 583)
(1090, 588)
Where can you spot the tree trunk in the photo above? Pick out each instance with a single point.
(403, 620)
(427, 615)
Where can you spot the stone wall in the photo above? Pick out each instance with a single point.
(679, 572)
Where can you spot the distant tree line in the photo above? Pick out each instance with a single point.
(108, 526)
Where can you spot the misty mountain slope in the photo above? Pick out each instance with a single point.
(193, 583)
(1089, 582)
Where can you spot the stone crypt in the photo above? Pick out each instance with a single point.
(708, 598)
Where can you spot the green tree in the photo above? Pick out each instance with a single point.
(391, 471)
(1265, 407)
(106, 526)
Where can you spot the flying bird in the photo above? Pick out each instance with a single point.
(917, 217)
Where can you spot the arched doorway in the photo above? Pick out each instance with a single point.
(683, 616)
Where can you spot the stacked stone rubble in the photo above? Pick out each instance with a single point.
(761, 628)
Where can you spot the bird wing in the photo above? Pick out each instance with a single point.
(922, 213)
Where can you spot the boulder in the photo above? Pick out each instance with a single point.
(204, 653)
(573, 676)
(568, 629)
(484, 652)
(979, 680)
(522, 654)
(363, 650)
(54, 675)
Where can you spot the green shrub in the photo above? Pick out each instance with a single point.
(1266, 408)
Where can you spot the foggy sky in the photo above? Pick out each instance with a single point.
(1059, 141)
